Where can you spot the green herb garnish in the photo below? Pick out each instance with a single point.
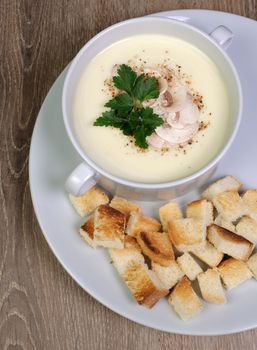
(126, 109)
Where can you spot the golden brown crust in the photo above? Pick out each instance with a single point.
(229, 205)
(88, 227)
(229, 242)
(89, 201)
(87, 232)
(109, 225)
(233, 272)
(131, 242)
(228, 235)
(124, 206)
(201, 209)
(186, 231)
(228, 183)
(169, 211)
(141, 285)
(184, 299)
(139, 222)
(183, 288)
(156, 246)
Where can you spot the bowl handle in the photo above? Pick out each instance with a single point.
(81, 180)
(223, 36)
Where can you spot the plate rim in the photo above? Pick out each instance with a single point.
(73, 275)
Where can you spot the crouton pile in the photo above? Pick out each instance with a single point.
(212, 245)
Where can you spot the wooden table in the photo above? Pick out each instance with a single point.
(41, 307)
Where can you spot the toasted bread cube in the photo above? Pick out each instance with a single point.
(157, 246)
(109, 226)
(124, 206)
(131, 242)
(187, 234)
(250, 200)
(139, 222)
(201, 209)
(229, 243)
(123, 258)
(184, 300)
(230, 205)
(211, 287)
(87, 232)
(169, 211)
(144, 285)
(89, 201)
(220, 221)
(252, 264)
(208, 254)
(228, 183)
(247, 228)
(168, 275)
(189, 266)
(233, 272)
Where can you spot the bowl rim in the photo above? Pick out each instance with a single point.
(141, 185)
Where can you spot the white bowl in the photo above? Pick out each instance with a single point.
(89, 173)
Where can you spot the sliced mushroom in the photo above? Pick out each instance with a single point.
(189, 115)
(167, 99)
(174, 121)
(155, 141)
(179, 97)
(177, 136)
(163, 85)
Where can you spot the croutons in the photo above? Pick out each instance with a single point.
(124, 206)
(184, 300)
(109, 226)
(144, 285)
(168, 275)
(189, 266)
(252, 264)
(123, 258)
(139, 222)
(228, 183)
(220, 221)
(208, 254)
(211, 287)
(201, 209)
(250, 201)
(229, 243)
(233, 272)
(229, 205)
(169, 211)
(131, 242)
(247, 228)
(89, 201)
(157, 246)
(187, 234)
(87, 232)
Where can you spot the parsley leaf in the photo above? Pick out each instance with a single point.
(123, 101)
(146, 89)
(126, 79)
(127, 112)
(109, 118)
(145, 126)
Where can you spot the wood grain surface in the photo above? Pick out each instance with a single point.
(41, 307)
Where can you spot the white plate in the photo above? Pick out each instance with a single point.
(52, 158)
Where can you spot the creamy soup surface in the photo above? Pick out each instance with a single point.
(115, 152)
